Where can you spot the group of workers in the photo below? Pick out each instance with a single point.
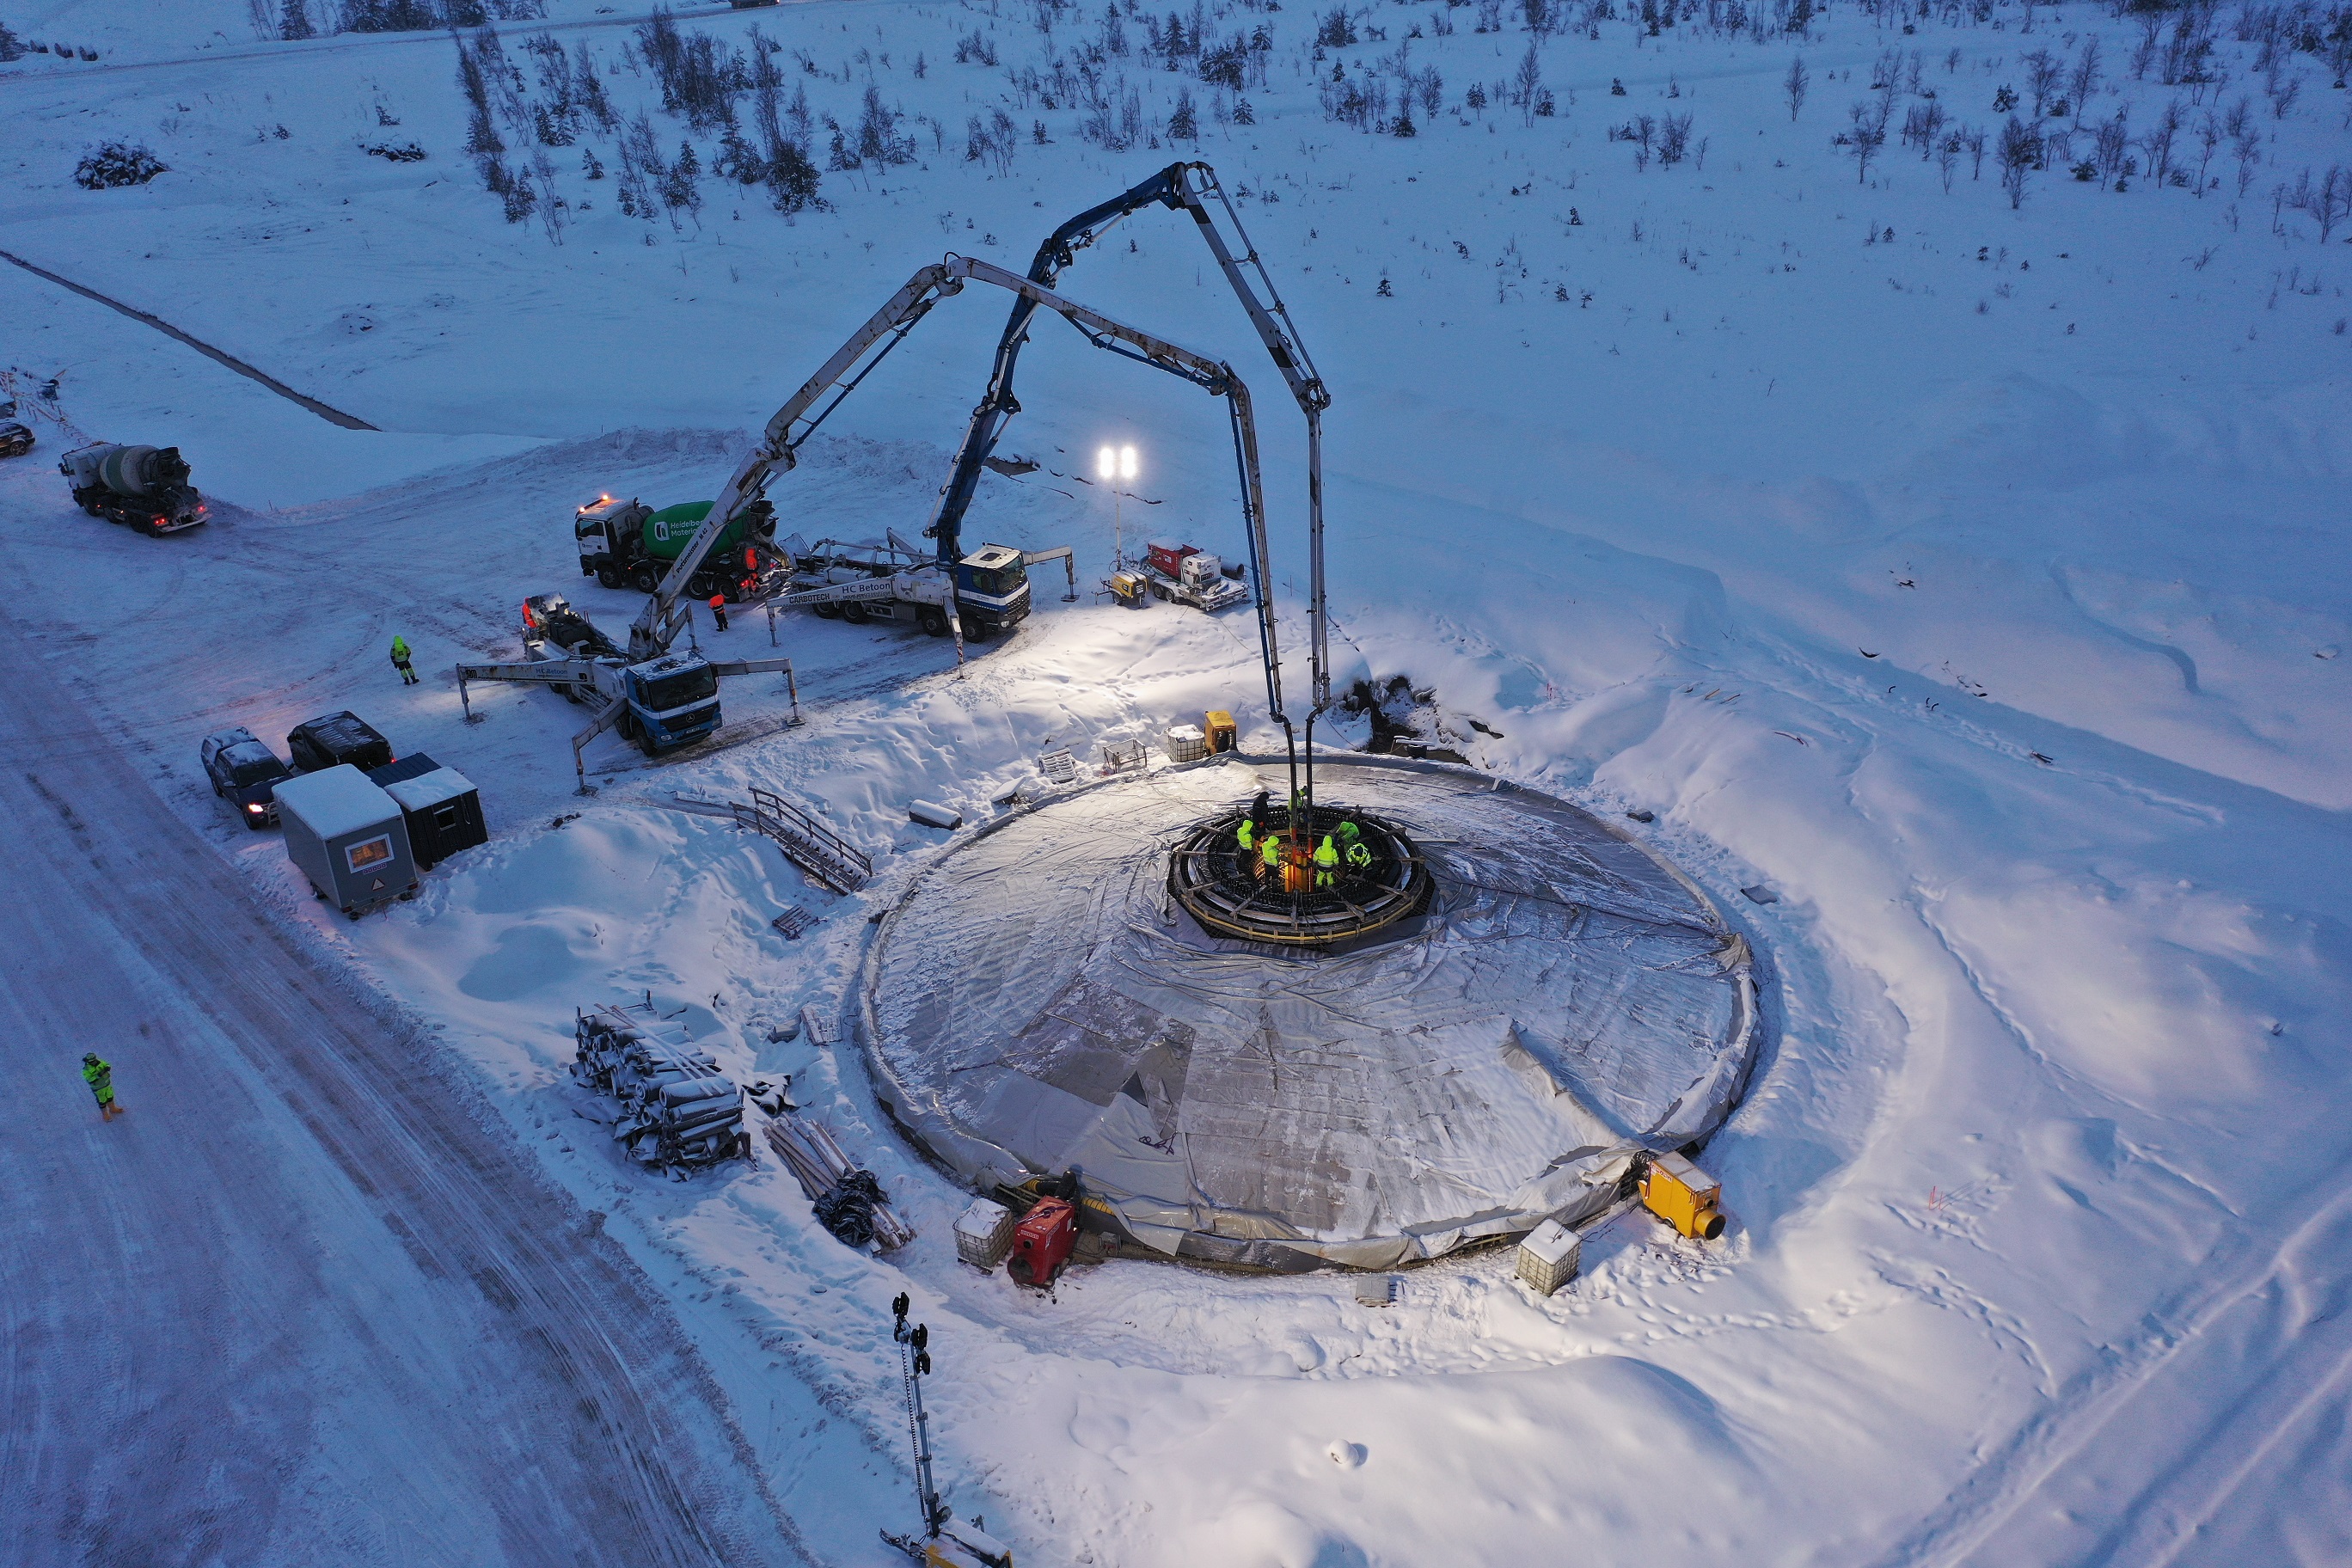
(1345, 844)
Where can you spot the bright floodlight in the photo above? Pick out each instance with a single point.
(1107, 464)
(1126, 462)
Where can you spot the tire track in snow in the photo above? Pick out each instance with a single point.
(301, 1282)
(330, 414)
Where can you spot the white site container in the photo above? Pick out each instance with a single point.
(984, 1234)
(1186, 743)
(347, 836)
(1549, 1255)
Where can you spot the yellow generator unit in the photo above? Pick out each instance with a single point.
(1217, 727)
(1684, 1196)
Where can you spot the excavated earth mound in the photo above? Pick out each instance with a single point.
(1037, 1001)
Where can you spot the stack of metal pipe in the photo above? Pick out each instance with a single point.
(679, 1111)
(849, 1200)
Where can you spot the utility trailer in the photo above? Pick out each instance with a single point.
(864, 581)
(348, 837)
(1186, 576)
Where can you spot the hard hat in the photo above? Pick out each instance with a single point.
(89, 1058)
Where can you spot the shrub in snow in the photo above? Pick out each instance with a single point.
(12, 47)
(406, 153)
(111, 163)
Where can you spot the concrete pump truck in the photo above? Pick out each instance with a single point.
(664, 697)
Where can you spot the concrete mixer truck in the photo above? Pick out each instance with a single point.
(145, 488)
(627, 542)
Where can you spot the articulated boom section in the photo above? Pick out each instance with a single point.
(801, 415)
(1185, 187)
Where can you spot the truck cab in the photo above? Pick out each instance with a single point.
(991, 590)
(607, 530)
(673, 702)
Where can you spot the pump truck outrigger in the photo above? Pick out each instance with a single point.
(636, 690)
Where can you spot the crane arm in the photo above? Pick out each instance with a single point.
(1186, 188)
(657, 624)
(793, 424)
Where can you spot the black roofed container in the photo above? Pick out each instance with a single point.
(441, 807)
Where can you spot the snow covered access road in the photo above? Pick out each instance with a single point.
(296, 1305)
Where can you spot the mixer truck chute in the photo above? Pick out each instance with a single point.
(145, 488)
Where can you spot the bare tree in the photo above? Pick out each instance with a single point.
(2328, 202)
(2043, 73)
(2085, 80)
(2152, 38)
(1948, 158)
(2158, 143)
(1865, 135)
(1528, 85)
(2019, 151)
(1793, 84)
(2208, 139)
(1674, 139)
(2284, 85)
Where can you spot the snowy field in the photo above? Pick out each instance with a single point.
(1962, 567)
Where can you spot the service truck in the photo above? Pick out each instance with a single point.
(1190, 576)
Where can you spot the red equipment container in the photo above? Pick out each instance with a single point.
(1042, 1243)
(1168, 558)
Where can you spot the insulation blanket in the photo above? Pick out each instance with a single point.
(1036, 1002)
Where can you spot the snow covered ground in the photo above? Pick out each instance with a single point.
(1972, 577)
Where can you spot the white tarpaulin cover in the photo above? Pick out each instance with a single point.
(1037, 1001)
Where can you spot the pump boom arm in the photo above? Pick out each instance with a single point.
(791, 425)
(1186, 188)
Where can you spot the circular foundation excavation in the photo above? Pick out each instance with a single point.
(1468, 1015)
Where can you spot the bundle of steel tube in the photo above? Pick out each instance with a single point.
(849, 1202)
(677, 1110)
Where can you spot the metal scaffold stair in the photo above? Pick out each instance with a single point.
(830, 860)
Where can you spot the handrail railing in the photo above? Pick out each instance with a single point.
(808, 843)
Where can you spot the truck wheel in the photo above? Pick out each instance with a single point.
(854, 613)
(977, 631)
(645, 743)
(645, 579)
(608, 577)
(827, 612)
(934, 620)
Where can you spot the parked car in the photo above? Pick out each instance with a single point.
(336, 739)
(245, 772)
(15, 439)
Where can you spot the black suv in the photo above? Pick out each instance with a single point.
(246, 773)
(15, 439)
(336, 739)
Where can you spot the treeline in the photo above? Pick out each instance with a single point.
(296, 19)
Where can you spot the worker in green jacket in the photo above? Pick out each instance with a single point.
(1247, 835)
(1359, 856)
(400, 659)
(1327, 862)
(99, 1076)
(1269, 855)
